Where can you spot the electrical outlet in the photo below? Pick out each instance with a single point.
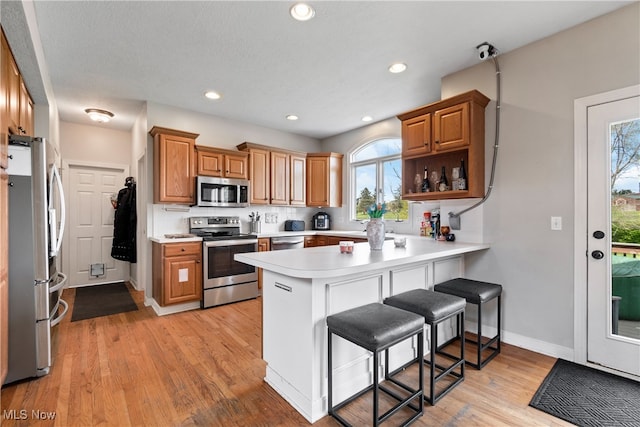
(556, 223)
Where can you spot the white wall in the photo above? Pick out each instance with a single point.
(534, 178)
(225, 133)
(94, 144)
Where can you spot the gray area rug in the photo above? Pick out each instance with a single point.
(588, 397)
(102, 300)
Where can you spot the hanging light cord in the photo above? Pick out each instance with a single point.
(495, 146)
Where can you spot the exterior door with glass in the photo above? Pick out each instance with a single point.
(613, 234)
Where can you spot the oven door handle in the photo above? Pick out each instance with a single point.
(238, 242)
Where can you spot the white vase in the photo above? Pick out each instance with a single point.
(375, 233)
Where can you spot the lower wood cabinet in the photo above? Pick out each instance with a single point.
(322, 240)
(264, 245)
(177, 272)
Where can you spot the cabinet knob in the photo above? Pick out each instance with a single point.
(437, 142)
(11, 156)
(182, 249)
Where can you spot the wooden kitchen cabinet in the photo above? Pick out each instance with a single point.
(280, 176)
(416, 135)
(324, 180)
(177, 272)
(298, 188)
(174, 166)
(442, 134)
(277, 176)
(222, 163)
(264, 245)
(19, 106)
(259, 173)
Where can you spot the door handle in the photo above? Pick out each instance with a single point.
(597, 254)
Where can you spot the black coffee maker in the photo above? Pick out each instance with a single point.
(321, 221)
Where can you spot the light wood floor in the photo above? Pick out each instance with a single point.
(203, 368)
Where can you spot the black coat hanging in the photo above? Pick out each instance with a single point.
(124, 223)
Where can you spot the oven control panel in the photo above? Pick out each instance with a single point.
(213, 221)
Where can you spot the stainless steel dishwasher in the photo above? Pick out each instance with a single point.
(287, 242)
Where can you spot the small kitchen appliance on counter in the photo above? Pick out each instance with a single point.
(293, 225)
(321, 221)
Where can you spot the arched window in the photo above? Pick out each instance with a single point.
(376, 177)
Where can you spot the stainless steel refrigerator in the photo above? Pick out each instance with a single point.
(36, 225)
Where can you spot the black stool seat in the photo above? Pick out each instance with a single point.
(375, 325)
(473, 291)
(478, 293)
(435, 307)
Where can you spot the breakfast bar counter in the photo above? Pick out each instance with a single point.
(301, 287)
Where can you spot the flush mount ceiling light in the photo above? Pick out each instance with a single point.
(398, 67)
(302, 12)
(291, 117)
(367, 118)
(97, 115)
(212, 94)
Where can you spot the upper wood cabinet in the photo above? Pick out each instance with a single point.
(440, 135)
(416, 136)
(298, 188)
(223, 163)
(19, 106)
(324, 180)
(174, 163)
(280, 176)
(259, 173)
(277, 176)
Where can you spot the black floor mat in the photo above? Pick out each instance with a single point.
(102, 300)
(588, 397)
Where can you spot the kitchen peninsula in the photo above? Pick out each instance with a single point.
(301, 287)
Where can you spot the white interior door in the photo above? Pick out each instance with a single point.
(91, 216)
(613, 133)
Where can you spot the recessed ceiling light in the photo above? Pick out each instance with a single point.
(97, 115)
(292, 117)
(398, 67)
(212, 95)
(367, 118)
(302, 12)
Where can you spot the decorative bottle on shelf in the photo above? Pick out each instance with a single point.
(425, 181)
(444, 183)
(462, 181)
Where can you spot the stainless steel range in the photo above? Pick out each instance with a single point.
(225, 280)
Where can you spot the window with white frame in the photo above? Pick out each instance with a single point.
(376, 177)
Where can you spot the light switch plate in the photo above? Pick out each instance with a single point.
(556, 223)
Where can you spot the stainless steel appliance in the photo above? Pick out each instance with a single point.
(225, 280)
(287, 242)
(321, 221)
(35, 284)
(222, 192)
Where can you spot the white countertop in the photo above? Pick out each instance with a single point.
(327, 261)
(164, 239)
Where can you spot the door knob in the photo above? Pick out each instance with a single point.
(597, 254)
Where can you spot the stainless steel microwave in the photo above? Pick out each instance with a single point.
(222, 192)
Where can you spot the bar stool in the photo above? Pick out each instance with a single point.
(478, 293)
(377, 327)
(435, 308)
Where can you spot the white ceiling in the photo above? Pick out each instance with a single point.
(329, 71)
